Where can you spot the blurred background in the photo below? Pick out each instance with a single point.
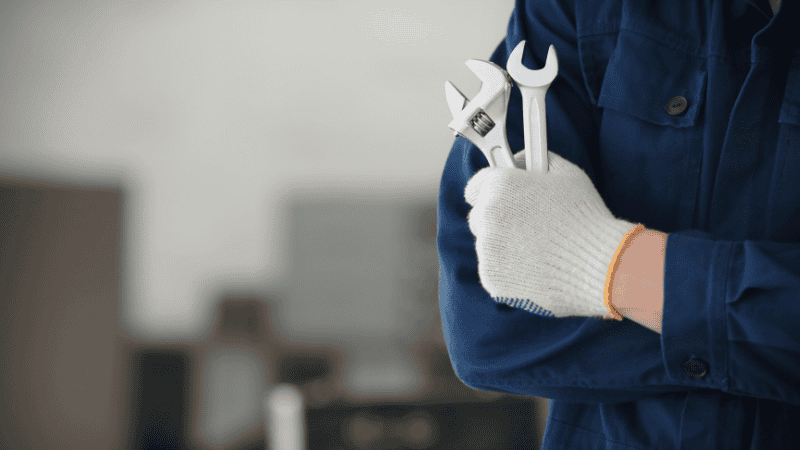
(218, 223)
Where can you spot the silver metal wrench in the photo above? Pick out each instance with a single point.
(533, 85)
(483, 120)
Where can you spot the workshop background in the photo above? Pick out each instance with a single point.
(218, 220)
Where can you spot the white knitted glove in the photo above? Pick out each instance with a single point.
(544, 242)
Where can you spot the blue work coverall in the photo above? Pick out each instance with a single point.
(686, 116)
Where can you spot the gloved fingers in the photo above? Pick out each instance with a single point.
(472, 191)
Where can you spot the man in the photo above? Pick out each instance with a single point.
(679, 116)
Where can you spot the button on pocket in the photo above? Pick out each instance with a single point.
(650, 80)
(695, 368)
(677, 105)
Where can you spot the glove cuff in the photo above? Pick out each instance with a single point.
(614, 265)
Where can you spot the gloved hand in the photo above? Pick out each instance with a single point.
(544, 242)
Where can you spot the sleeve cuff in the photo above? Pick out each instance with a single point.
(694, 337)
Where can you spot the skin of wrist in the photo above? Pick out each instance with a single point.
(637, 289)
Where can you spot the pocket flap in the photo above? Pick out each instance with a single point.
(644, 76)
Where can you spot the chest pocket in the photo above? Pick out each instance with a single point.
(651, 98)
(644, 77)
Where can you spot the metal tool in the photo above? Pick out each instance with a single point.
(533, 85)
(483, 120)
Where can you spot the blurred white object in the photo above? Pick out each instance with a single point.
(285, 418)
(236, 366)
(232, 384)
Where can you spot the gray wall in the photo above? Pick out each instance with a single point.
(209, 113)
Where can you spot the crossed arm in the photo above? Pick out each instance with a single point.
(637, 289)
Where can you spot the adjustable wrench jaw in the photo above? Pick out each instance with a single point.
(483, 120)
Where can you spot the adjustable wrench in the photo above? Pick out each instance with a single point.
(483, 120)
(533, 85)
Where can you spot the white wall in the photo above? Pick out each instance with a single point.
(208, 113)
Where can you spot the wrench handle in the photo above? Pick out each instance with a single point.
(535, 121)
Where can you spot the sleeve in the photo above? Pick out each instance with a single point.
(740, 348)
(742, 333)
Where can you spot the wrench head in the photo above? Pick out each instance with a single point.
(456, 101)
(493, 77)
(532, 78)
(492, 98)
(483, 120)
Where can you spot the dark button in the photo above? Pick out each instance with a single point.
(677, 105)
(695, 368)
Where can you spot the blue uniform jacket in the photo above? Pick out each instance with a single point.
(720, 175)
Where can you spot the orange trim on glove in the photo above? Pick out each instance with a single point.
(612, 270)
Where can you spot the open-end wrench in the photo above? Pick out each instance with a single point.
(533, 85)
(483, 120)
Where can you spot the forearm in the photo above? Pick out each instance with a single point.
(637, 289)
